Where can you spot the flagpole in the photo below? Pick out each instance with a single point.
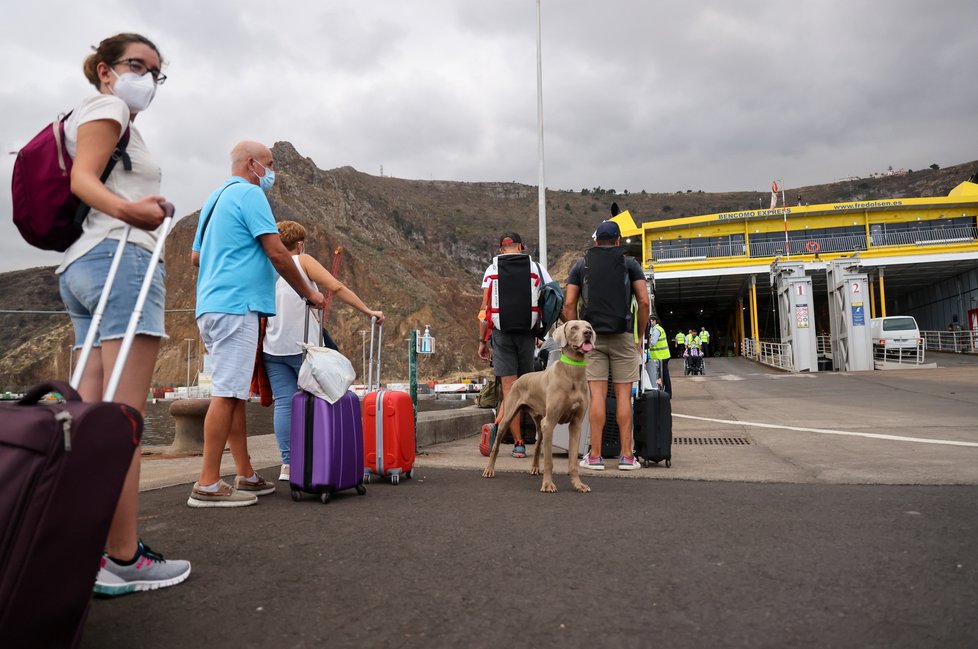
(784, 212)
(542, 187)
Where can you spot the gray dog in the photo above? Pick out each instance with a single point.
(558, 395)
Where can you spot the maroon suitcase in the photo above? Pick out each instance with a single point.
(62, 466)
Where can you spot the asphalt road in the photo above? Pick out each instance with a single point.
(454, 560)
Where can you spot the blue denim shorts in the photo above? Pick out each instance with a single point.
(232, 342)
(81, 287)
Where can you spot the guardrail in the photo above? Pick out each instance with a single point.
(951, 341)
(800, 245)
(907, 356)
(774, 354)
(930, 237)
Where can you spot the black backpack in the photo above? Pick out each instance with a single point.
(606, 292)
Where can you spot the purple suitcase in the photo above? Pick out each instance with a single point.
(327, 446)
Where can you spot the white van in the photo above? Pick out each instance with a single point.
(895, 332)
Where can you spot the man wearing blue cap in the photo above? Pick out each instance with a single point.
(615, 300)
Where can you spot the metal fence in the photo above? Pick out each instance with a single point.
(774, 354)
(951, 341)
(906, 356)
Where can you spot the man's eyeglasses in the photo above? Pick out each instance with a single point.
(138, 67)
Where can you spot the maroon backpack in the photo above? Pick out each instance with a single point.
(47, 214)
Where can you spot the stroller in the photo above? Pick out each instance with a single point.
(694, 361)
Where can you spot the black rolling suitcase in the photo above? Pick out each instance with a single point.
(653, 425)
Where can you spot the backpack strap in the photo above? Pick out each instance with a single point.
(118, 154)
(207, 219)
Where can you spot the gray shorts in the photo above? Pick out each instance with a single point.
(512, 353)
(232, 342)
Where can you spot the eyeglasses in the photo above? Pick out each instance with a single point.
(138, 67)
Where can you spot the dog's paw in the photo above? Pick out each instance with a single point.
(488, 473)
(534, 470)
(548, 487)
(581, 487)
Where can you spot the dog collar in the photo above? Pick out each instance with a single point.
(570, 361)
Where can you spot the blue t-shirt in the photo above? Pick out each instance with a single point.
(235, 274)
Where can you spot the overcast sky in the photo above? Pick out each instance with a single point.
(713, 95)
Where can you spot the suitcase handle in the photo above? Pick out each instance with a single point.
(36, 393)
(377, 328)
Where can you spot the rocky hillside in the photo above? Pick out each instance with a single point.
(415, 249)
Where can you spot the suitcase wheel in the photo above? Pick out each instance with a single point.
(366, 477)
(361, 490)
(296, 494)
(324, 497)
(668, 464)
(410, 474)
(395, 479)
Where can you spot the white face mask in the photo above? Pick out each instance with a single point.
(134, 89)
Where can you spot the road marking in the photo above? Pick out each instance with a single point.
(825, 431)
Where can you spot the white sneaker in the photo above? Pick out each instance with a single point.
(628, 463)
(284, 473)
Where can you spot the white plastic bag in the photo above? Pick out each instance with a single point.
(325, 372)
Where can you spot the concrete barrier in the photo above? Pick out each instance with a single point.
(188, 418)
(437, 426)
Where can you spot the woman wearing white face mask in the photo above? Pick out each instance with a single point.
(125, 69)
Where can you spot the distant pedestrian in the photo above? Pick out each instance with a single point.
(238, 249)
(614, 298)
(705, 341)
(125, 69)
(659, 350)
(508, 318)
(281, 354)
(680, 344)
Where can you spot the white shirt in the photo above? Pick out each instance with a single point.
(143, 180)
(285, 330)
(544, 278)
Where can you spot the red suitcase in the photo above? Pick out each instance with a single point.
(388, 425)
(63, 466)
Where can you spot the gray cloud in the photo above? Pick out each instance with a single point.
(716, 96)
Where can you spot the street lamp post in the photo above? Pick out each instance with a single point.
(189, 340)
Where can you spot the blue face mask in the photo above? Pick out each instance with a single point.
(266, 181)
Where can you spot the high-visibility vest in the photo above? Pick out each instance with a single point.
(680, 338)
(693, 341)
(661, 349)
(705, 336)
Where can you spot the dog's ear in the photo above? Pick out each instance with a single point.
(559, 336)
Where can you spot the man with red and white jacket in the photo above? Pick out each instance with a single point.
(509, 316)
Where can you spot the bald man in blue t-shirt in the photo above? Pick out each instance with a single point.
(238, 249)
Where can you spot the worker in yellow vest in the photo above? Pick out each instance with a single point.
(659, 350)
(680, 344)
(705, 340)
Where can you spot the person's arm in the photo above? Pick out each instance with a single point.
(640, 289)
(281, 259)
(654, 338)
(195, 258)
(484, 325)
(340, 291)
(96, 142)
(569, 312)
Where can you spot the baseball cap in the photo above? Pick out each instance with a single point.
(607, 230)
(509, 238)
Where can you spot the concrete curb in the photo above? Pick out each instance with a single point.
(160, 470)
